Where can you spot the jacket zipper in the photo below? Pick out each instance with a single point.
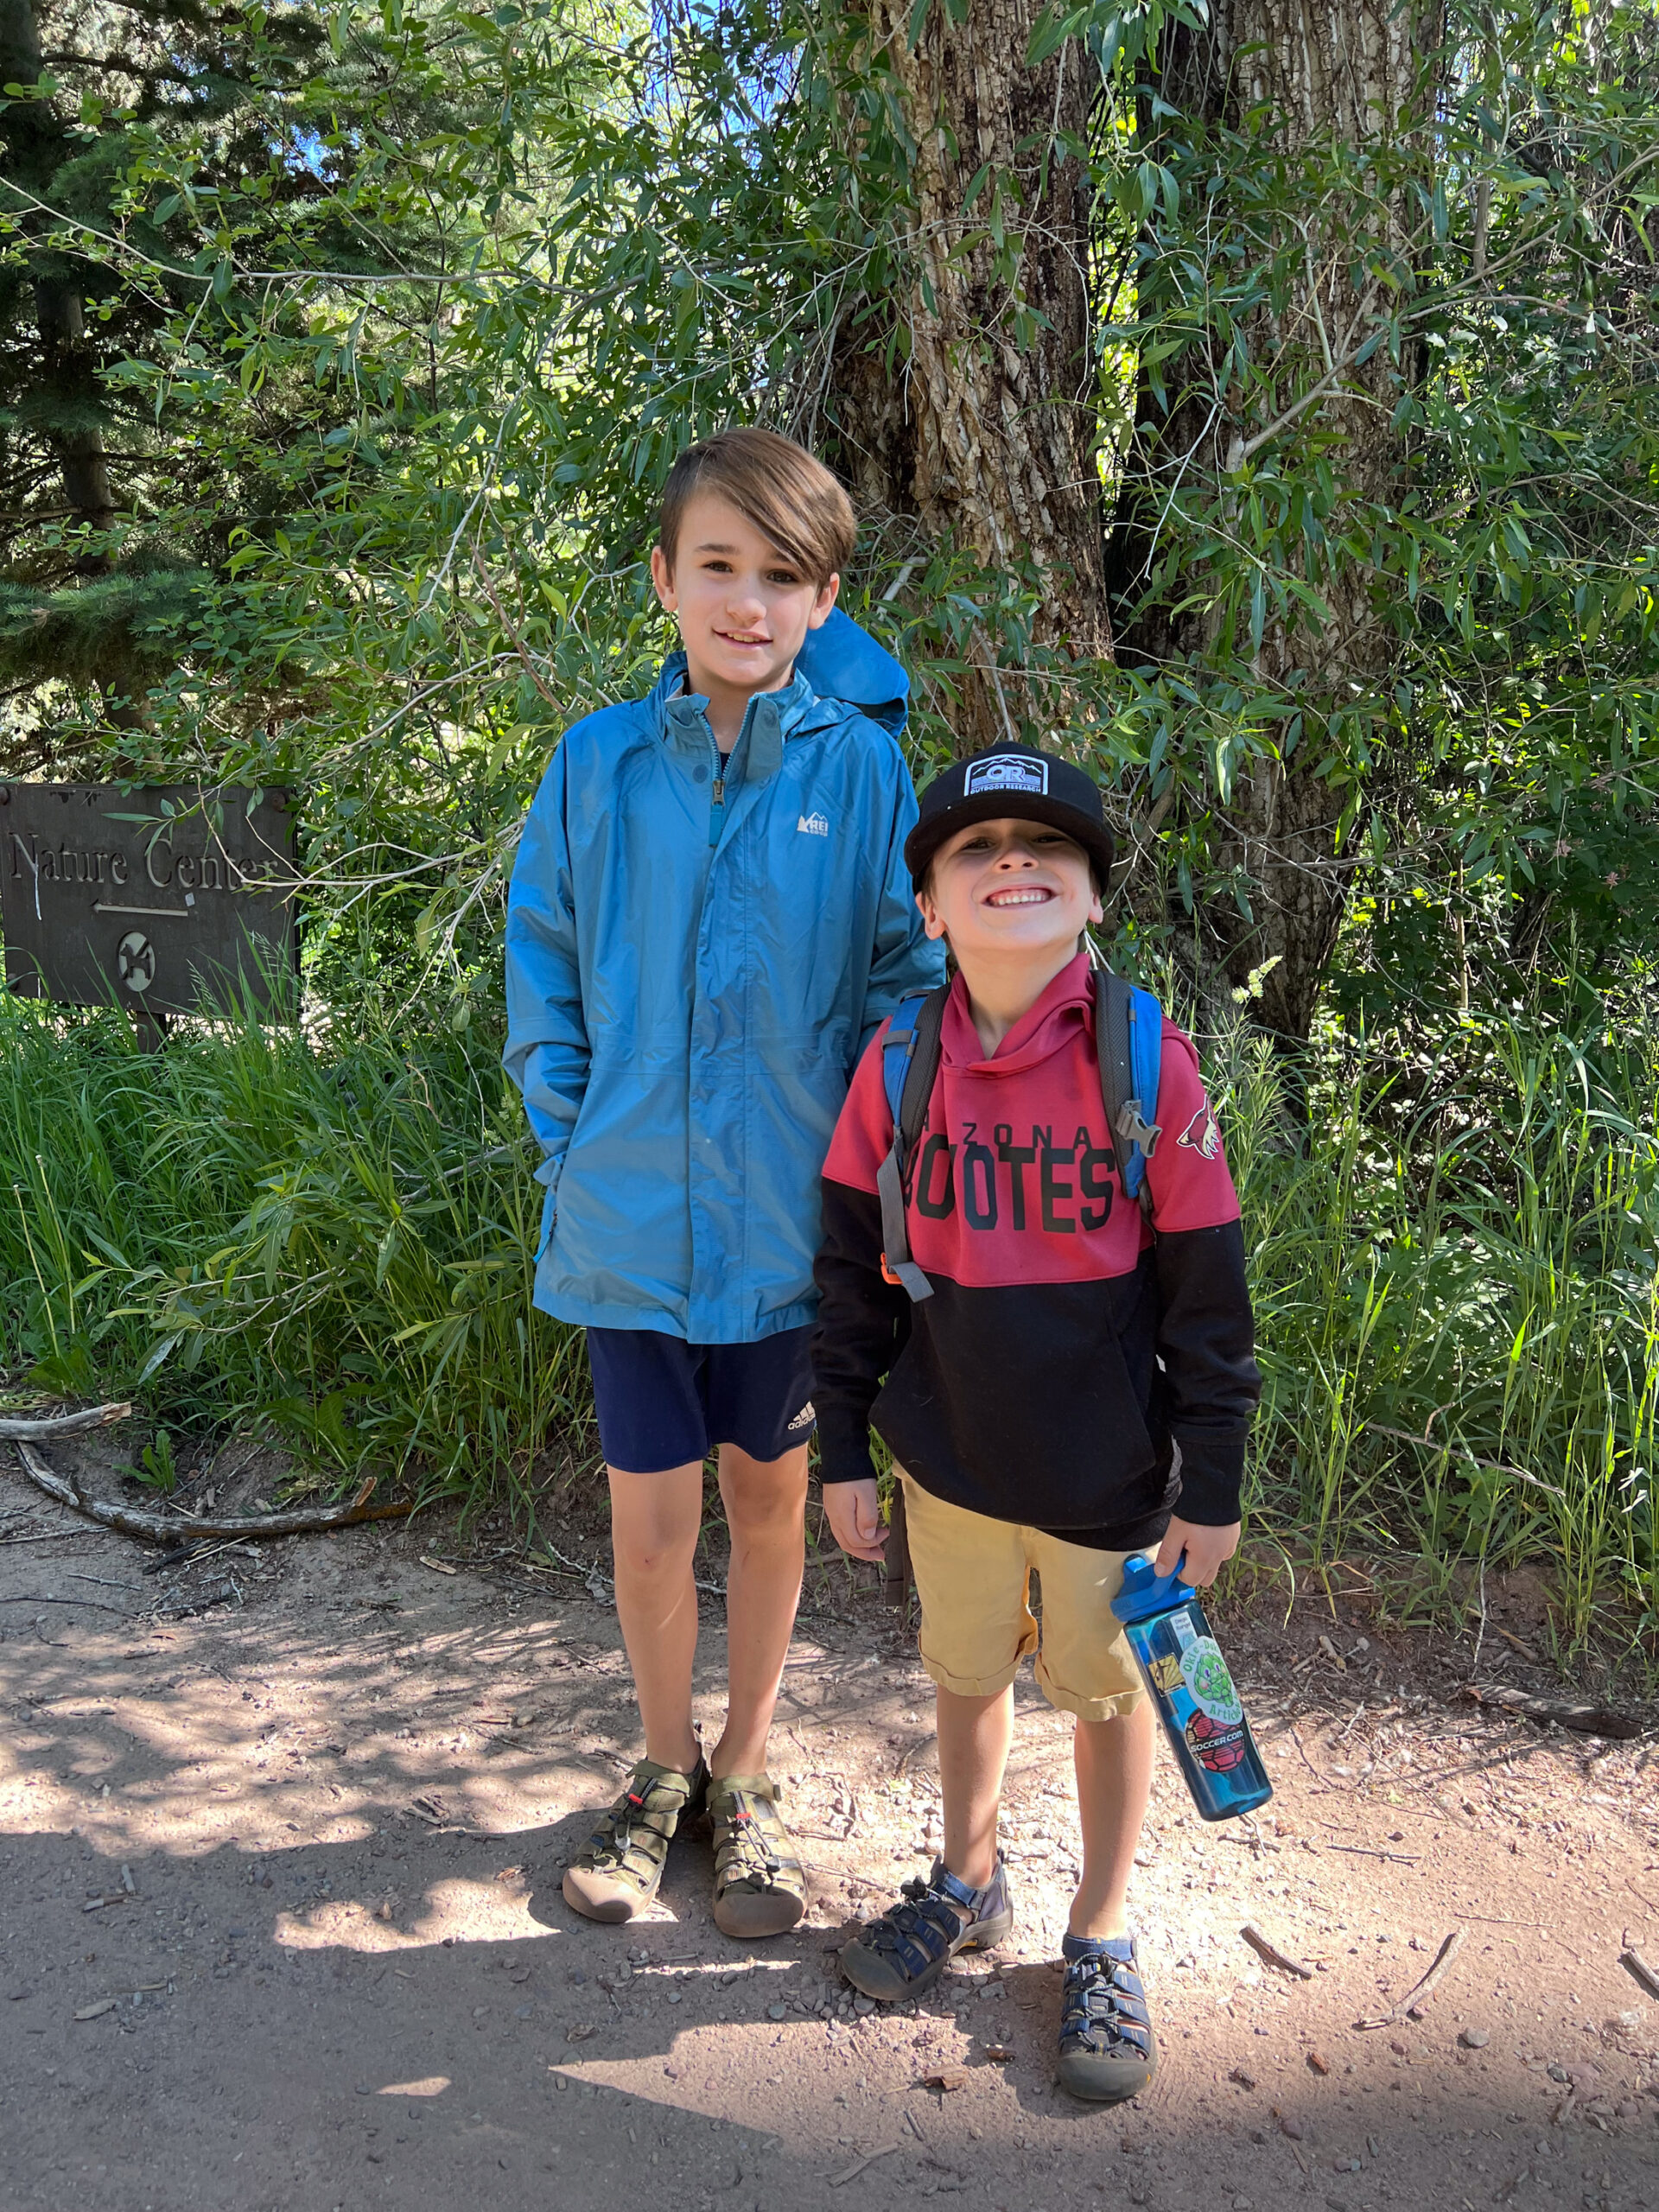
(717, 812)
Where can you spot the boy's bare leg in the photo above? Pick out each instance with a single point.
(1114, 1763)
(655, 1520)
(975, 1734)
(766, 1512)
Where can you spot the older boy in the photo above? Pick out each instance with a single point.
(709, 916)
(1070, 1374)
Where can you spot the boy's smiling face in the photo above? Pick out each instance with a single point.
(1011, 893)
(743, 607)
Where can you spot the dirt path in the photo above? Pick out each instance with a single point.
(331, 1969)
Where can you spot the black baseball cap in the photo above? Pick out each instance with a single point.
(1012, 783)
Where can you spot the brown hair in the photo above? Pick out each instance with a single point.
(789, 498)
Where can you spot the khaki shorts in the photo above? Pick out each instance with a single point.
(973, 1576)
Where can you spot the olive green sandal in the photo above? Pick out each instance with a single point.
(760, 1884)
(616, 1872)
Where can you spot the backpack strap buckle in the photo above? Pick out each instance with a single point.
(1133, 1128)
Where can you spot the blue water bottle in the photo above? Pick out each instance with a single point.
(1192, 1689)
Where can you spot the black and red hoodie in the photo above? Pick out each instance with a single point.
(1066, 1350)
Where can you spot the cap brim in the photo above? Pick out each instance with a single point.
(1094, 838)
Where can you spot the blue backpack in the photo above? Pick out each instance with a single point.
(1130, 1041)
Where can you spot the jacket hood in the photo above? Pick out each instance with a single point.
(840, 661)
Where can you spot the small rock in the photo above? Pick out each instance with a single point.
(1559, 2074)
(1244, 2080)
(1319, 2061)
(1474, 2038)
(1291, 2127)
(775, 2013)
(1400, 2050)
(947, 2078)
(1628, 2108)
(864, 2005)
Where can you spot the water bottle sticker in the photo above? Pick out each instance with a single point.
(1165, 1671)
(1205, 1672)
(1215, 1744)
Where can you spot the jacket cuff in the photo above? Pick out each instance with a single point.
(1212, 1476)
(843, 1448)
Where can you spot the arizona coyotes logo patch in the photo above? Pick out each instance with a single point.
(1201, 1135)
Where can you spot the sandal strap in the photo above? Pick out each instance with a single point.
(753, 1848)
(1103, 2005)
(936, 1912)
(632, 1841)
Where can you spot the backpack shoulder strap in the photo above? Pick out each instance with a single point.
(910, 1065)
(1130, 1045)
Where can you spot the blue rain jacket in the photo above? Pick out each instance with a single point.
(693, 968)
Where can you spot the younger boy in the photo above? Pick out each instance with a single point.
(1074, 1373)
(710, 915)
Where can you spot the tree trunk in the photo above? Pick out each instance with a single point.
(1341, 76)
(35, 148)
(966, 400)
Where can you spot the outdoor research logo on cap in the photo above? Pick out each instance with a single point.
(1005, 771)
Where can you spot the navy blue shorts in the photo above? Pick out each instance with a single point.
(664, 1403)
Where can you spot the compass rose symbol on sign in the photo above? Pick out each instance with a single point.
(135, 959)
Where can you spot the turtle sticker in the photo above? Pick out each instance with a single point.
(1205, 1672)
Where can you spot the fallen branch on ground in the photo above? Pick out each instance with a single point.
(852, 2172)
(1274, 1957)
(168, 1528)
(42, 1427)
(1588, 1719)
(1415, 1997)
(1639, 1969)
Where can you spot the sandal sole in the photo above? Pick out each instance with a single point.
(596, 1896)
(756, 1915)
(1103, 2086)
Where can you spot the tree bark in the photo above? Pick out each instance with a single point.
(35, 146)
(1342, 76)
(949, 407)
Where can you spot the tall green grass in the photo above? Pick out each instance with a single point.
(339, 1238)
(1457, 1304)
(1458, 1309)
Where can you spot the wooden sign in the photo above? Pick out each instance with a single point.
(161, 900)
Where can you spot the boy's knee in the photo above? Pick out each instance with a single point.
(752, 1509)
(760, 1495)
(647, 1554)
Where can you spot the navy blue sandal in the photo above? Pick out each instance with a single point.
(904, 1953)
(1108, 2051)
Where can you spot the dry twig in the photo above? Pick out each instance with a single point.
(852, 2172)
(1274, 1957)
(40, 1428)
(1640, 1972)
(1588, 1719)
(1415, 1997)
(168, 1528)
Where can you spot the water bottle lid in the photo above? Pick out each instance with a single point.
(1145, 1592)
